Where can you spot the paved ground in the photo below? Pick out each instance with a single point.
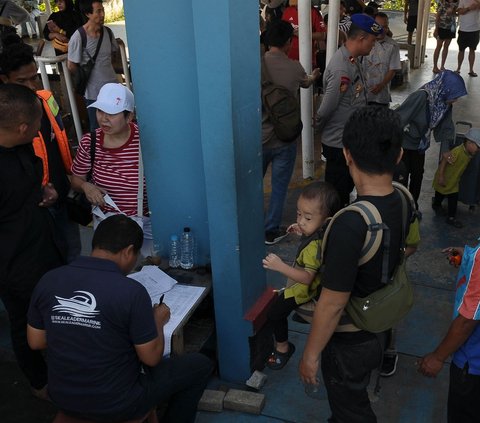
(407, 397)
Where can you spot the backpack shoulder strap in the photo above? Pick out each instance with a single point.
(406, 197)
(83, 36)
(265, 75)
(376, 229)
(110, 34)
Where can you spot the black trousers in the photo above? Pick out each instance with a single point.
(463, 395)
(347, 362)
(30, 362)
(414, 161)
(337, 173)
(278, 316)
(452, 202)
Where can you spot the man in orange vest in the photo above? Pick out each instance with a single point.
(17, 66)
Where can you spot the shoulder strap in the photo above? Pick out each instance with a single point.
(83, 35)
(317, 235)
(375, 228)
(93, 146)
(99, 44)
(376, 232)
(407, 196)
(110, 34)
(265, 75)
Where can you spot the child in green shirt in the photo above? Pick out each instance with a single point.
(449, 172)
(316, 203)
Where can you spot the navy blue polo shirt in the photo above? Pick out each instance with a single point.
(93, 316)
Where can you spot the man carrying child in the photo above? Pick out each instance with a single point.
(372, 142)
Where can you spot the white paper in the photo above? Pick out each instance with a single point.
(180, 299)
(97, 211)
(155, 281)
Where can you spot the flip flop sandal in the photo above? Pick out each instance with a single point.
(278, 360)
(472, 74)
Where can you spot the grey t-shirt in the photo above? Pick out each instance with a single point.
(102, 72)
(345, 91)
(289, 74)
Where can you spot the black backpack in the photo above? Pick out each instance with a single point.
(281, 107)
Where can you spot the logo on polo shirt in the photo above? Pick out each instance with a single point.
(78, 310)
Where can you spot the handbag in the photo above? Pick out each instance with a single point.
(79, 209)
(384, 308)
(83, 72)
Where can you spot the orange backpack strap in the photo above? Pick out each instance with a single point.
(41, 152)
(53, 113)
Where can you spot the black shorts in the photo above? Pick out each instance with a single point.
(411, 23)
(468, 39)
(445, 34)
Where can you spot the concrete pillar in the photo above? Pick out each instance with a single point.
(195, 68)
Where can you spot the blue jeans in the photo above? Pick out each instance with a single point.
(92, 115)
(283, 163)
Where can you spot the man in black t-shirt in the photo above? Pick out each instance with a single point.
(372, 141)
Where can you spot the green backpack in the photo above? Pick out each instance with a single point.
(384, 308)
(281, 107)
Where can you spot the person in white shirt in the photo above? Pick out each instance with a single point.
(468, 34)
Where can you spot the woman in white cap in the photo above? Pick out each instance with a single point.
(111, 184)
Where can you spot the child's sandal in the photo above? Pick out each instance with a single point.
(278, 360)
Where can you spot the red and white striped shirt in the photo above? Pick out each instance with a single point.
(114, 169)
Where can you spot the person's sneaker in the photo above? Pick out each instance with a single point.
(272, 237)
(389, 364)
(454, 222)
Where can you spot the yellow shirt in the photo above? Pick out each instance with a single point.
(453, 171)
(308, 259)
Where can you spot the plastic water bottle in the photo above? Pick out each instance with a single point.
(315, 390)
(186, 247)
(174, 257)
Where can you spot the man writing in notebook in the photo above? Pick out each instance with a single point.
(105, 343)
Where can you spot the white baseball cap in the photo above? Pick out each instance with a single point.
(114, 98)
(473, 134)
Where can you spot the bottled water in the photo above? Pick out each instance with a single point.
(186, 247)
(174, 257)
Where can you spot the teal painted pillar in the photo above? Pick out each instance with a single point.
(195, 67)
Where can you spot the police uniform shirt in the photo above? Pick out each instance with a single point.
(344, 92)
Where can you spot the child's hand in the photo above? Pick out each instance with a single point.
(294, 229)
(272, 262)
(441, 180)
(449, 157)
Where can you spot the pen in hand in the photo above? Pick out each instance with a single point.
(161, 299)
